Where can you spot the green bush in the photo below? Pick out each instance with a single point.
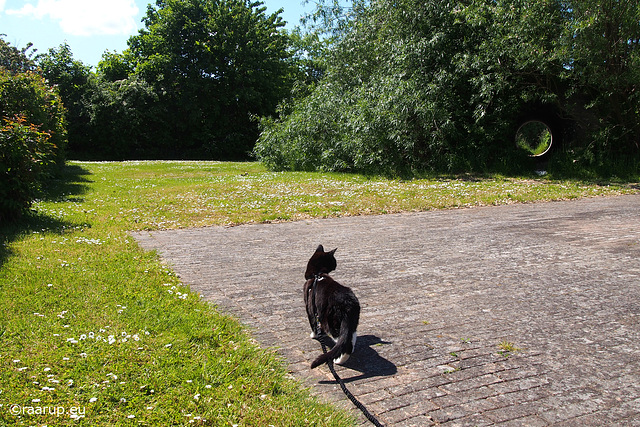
(26, 152)
(32, 139)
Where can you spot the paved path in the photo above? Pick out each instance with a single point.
(440, 291)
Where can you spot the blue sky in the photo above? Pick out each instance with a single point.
(92, 26)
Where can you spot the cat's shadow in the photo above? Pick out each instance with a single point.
(366, 360)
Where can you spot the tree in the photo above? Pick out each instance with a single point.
(397, 96)
(414, 85)
(603, 48)
(114, 66)
(307, 52)
(72, 78)
(126, 120)
(215, 64)
(16, 60)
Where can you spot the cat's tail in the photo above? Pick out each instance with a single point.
(342, 348)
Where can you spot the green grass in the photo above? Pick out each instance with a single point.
(162, 195)
(91, 323)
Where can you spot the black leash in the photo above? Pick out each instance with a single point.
(344, 388)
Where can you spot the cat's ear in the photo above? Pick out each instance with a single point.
(333, 251)
(320, 248)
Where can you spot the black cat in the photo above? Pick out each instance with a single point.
(333, 306)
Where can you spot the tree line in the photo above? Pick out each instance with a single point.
(190, 84)
(443, 85)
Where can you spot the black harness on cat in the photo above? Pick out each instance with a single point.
(318, 327)
(318, 330)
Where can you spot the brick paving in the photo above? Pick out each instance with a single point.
(440, 291)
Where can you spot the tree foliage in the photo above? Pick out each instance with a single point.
(214, 64)
(72, 79)
(127, 121)
(16, 60)
(189, 86)
(389, 86)
(444, 85)
(603, 43)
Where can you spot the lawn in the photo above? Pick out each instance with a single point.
(95, 331)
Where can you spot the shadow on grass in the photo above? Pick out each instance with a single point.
(69, 185)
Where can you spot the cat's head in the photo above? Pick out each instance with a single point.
(320, 262)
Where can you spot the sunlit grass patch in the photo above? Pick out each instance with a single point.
(160, 195)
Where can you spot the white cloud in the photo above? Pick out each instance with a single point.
(85, 17)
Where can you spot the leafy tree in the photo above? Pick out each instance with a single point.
(126, 120)
(332, 20)
(603, 65)
(307, 52)
(444, 85)
(215, 64)
(72, 79)
(16, 60)
(396, 97)
(190, 84)
(114, 66)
